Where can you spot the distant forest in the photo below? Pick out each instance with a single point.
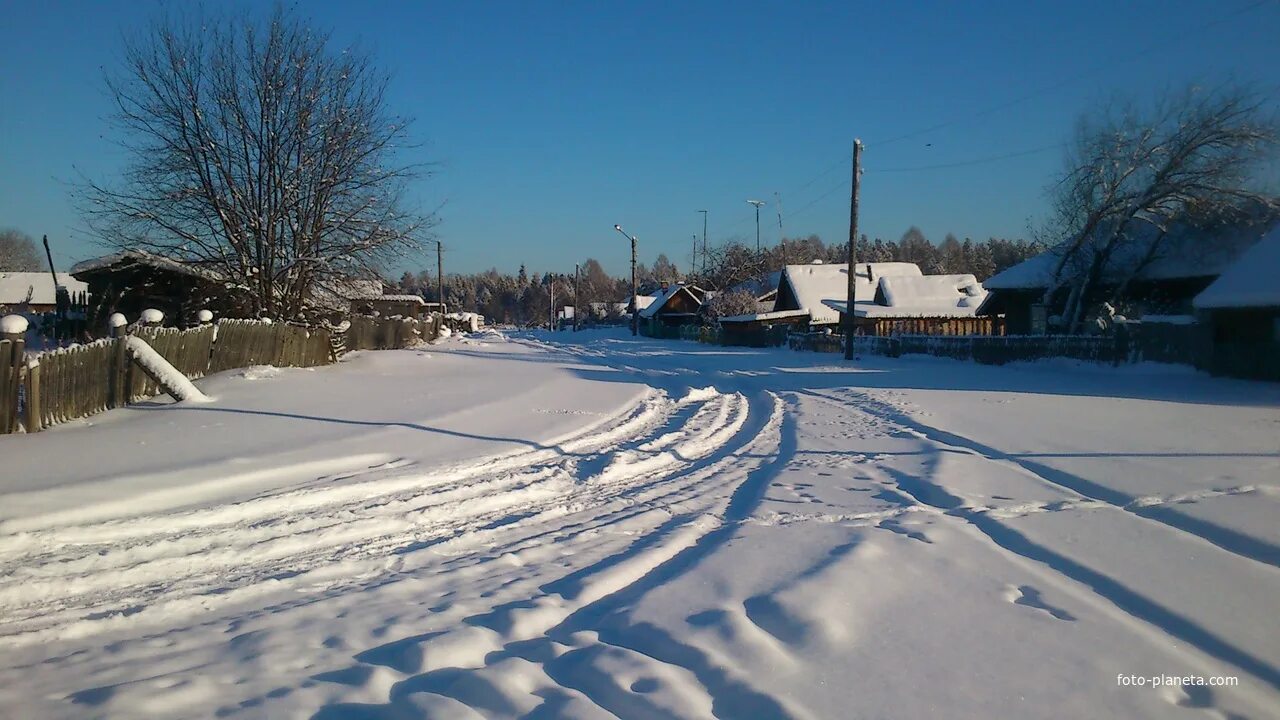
(526, 298)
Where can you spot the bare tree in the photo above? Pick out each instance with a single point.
(18, 252)
(731, 303)
(1131, 176)
(260, 151)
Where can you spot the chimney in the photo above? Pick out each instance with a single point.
(665, 285)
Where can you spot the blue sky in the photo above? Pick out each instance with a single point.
(552, 121)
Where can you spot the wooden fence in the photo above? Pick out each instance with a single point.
(371, 333)
(75, 382)
(984, 349)
(12, 354)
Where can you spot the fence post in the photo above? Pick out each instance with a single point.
(32, 417)
(13, 328)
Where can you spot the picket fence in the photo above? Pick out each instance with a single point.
(70, 383)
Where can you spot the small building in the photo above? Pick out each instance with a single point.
(1241, 312)
(677, 304)
(131, 281)
(1162, 284)
(35, 292)
(408, 306)
(809, 287)
(922, 305)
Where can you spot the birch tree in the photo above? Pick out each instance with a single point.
(1131, 176)
(261, 151)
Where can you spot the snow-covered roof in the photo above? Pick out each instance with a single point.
(644, 301)
(1253, 280)
(772, 315)
(142, 257)
(759, 287)
(400, 298)
(815, 283)
(935, 296)
(663, 297)
(1186, 252)
(17, 287)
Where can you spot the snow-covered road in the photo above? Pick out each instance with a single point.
(594, 526)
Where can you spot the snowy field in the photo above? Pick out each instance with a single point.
(589, 526)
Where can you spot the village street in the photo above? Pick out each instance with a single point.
(592, 525)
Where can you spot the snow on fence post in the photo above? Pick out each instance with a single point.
(151, 317)
(116, 325)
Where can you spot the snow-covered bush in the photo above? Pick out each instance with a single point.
(728, 304)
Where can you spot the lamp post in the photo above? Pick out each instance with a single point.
(757, 203)
(635, 304)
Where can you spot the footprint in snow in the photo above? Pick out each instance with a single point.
(1030, 597)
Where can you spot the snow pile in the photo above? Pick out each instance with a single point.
(13, 325)
(117, 320)
(167, 375)
(260, 372)
(151, 316)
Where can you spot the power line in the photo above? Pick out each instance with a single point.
(969, 163)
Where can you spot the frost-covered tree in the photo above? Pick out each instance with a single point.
(258, 149)
(18, 252)
(1133, 173)
(728, 304)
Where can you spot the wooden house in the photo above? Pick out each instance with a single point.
(1240, 312)
(131, 281)
(812, 288)
(922, 305)
(36, 292)
(1162, 284)
(677, 304)
(408, 306)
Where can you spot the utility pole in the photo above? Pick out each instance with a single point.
(853, 239)
(704, 240)
(693, 264)
(757, 203)
(782, 239)
(635, 303)
(440, 273)
(577, 302)
(551, 313)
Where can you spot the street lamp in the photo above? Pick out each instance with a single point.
(635, 304)
(757, 203)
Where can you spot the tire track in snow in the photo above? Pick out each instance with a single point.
(66, 581)
(576, 602)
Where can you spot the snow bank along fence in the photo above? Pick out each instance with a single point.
(82, 380)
